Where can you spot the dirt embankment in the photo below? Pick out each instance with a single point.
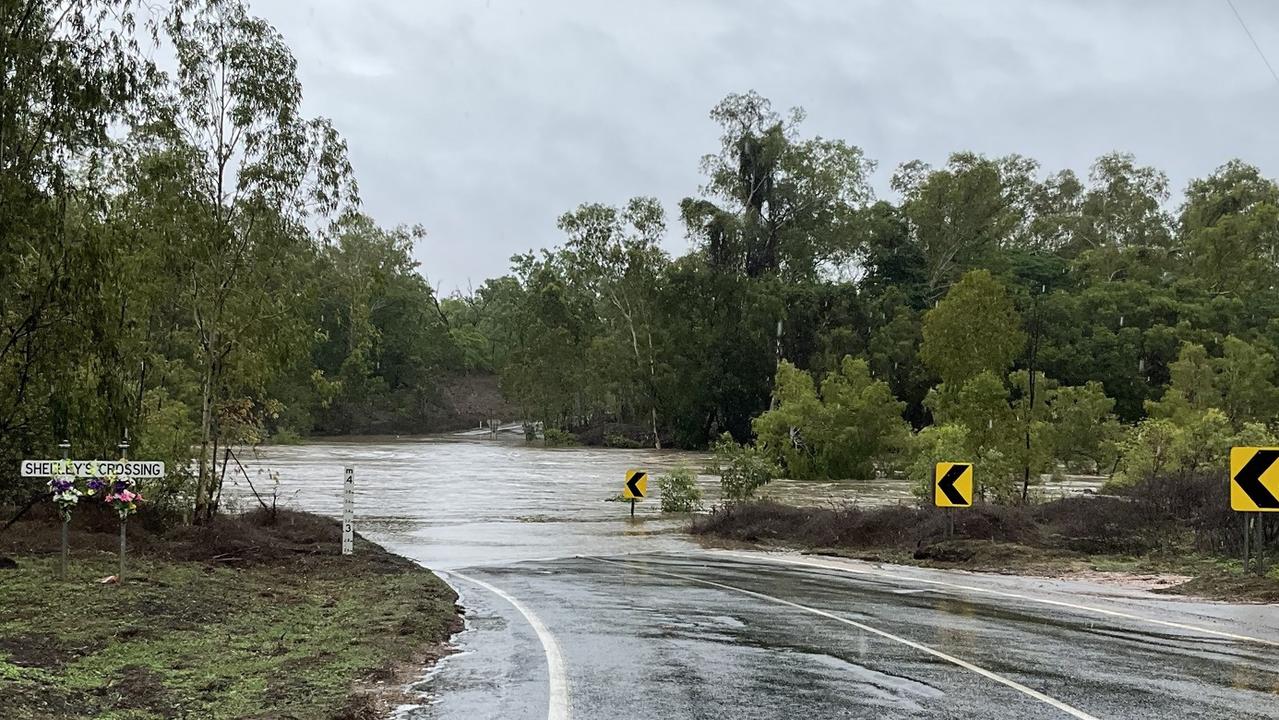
(247, 617)
(466, 401)
(1098, 538)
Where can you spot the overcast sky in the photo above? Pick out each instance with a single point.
(483, 121)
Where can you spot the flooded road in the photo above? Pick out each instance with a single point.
(457, 502)
(574, 610)
(451, 503)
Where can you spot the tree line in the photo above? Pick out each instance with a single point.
(182, 255)
(184, 258)
(1028, 320)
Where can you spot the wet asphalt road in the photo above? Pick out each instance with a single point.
(673, 631)
(678, 636)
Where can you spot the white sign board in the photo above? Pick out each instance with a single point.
(348, 512)
(131, 469)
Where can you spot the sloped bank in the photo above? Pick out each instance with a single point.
(1178, 542)
(248, 617)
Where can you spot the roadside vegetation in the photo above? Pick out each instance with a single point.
(679, 491)
(1177, 525)
(247, 616)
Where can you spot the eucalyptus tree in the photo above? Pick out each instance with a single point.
(237, 181)
(615, 255)
(69, 70)
(774, 202)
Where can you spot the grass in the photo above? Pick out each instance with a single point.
(296, 631)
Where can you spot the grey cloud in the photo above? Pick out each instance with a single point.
(485, 121)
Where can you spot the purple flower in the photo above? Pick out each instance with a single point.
(120, 486)
(96, 484)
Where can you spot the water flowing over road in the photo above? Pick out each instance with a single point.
(574, 610)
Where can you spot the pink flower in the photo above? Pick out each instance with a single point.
(127, 496)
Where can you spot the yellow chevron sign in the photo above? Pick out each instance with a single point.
(636, 487)
(953, 485)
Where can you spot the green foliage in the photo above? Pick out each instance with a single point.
(1084, 430)
(208, 641)
(742, 469)
(855, 422)
(974, 329)
(615, 440)
(934, 444)
(679, 491)
(1158, 446)
(554, 437)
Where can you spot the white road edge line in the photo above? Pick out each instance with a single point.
(1000, 593)
(1051, 701)
(557, 706)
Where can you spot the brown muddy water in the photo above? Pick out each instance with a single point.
(451, 501)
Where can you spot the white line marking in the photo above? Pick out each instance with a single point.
(1000, 593)
(1051, 701)
(557, 707)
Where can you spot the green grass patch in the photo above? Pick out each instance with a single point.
(299, 635)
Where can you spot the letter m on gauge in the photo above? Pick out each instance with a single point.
(953, 484)
(1254, 479)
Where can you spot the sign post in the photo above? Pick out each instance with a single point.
(1254, 489)
(636, 487)
(124, 518)
(65, 445)
(115, 479)
(348, 512)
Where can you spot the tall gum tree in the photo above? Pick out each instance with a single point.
(245, 182)
(616, 256)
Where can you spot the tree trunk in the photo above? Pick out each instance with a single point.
(206, 432)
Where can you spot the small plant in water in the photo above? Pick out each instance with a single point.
(679, 490)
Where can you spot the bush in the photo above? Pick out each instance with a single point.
(742, 469)
(614, 440)
(554, 437)
(1103, 525)
(679, 491)
(891, 526)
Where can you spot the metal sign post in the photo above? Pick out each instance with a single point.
(1254, 490)
(124, 519)
(66, 520)
(348, 512)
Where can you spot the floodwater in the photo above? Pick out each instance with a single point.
(460, 501)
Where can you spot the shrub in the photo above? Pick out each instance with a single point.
(890, 526)
(615, 440)
(679, 490)
(1102, 524)
(554, 437)
(742, 469)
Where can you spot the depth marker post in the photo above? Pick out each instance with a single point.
(348, 511)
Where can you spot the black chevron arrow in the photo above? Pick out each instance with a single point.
(947, 485)
(633, 485)
(1249, 479)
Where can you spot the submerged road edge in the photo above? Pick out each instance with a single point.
(959, 662)
(557, 705)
